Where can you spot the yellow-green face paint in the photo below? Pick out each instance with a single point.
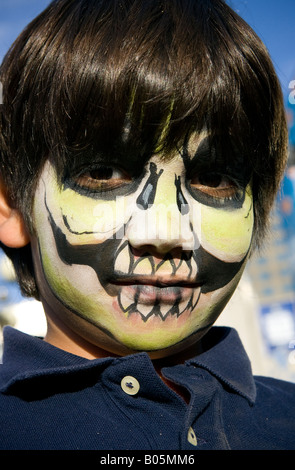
(227, 233)
(150, 261)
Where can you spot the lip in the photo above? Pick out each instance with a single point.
(148, 290)
(160, 282)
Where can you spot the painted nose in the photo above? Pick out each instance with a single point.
(162, 225)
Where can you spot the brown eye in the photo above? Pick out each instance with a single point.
(103, 178)
(103, 174)
(211, 180)
(215, 185)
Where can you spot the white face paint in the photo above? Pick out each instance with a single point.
(141, 263)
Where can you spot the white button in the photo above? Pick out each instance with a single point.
(130, 385)
(191, 437)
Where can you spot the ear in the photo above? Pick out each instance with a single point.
(13, 232)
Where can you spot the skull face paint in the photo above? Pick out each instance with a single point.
(150, 260)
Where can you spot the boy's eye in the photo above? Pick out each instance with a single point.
(215, 185)
(103, 178)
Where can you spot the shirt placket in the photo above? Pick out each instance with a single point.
(203, 426)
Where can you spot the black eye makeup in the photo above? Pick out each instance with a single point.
(212, 181)
(216, 190)
(101, 181)
(103, 178)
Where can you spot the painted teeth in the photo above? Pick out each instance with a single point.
(126, 264)
(182, 306)
(164, 311)
(145, 310)
(143, 266)
(122, 259)
(177, 262)
(183, 269)
(195, 297)
(125, 302)
(194, 269)
(164, 268)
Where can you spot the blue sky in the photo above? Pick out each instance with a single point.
(273, 20)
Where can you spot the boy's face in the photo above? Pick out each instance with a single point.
(141, 260)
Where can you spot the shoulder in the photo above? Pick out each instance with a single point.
(272, 416)
(275, 398)
(275, 387)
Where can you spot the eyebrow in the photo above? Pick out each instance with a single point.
(205, 153)
(208, 157)
(119, 156)
(205, 150)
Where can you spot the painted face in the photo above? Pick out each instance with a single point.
(142, 261)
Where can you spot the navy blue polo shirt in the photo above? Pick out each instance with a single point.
(53, 400)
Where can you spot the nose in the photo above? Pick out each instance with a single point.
(164, 224)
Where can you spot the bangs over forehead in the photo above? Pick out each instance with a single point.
(134, 77)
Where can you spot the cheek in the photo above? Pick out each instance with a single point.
(64, 280)
(227, 233)
(87, 220)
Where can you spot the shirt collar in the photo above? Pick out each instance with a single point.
(227, 361)
(26, 358)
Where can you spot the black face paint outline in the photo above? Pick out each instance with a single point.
(90, 255)
(182, 204)
(156, 311)
(92, 322)
(234, 203)
(146, 199)
(203, 158)
(224, 271)
(106, 195)
(147, 196)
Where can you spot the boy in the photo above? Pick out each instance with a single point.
(142, 145)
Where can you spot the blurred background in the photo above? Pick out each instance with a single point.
(263, 307)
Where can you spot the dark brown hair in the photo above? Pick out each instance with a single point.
(137, 77)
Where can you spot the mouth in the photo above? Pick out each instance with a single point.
(159, 281)
(161, 297)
